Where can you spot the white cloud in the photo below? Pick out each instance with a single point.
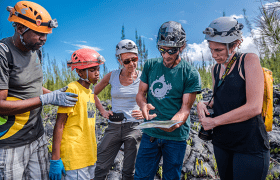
(82, 41)
(85, 46)
(151, 39)
(182, 13)
(194, 51)
(183, 21)
(248, 46)
(272, 5)
(65, 42)
(237, 16)
(80, 46)
(70, 51)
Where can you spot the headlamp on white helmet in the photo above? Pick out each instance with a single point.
(126, 46)
(223, 30)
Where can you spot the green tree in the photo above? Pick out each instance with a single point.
(123, 35)
(268, 23)
(250, 28)
(142, 51)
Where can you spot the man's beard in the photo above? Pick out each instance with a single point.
(34, 46)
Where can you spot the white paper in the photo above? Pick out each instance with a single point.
(157, 124)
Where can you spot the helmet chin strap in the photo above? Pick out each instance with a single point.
(21, 38)
(175, 60)
(229, 54)
(86, 78)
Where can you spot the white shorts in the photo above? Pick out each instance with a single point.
(80, 174)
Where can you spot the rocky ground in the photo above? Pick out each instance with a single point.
(199, 162)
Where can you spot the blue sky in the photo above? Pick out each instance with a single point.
(97, 24)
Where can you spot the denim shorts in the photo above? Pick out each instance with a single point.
(150, 153)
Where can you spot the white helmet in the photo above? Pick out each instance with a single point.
(171, 34)
(125, 46)
(224, 30)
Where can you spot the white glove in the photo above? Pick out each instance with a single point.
(59, 98)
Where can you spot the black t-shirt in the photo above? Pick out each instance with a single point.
(248, 136)
(21, 74)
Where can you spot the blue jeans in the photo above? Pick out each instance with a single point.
(150, 153)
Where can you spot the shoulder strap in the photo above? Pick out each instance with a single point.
(216, 70)
(241, 67)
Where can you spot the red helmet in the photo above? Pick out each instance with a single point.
(85, 58)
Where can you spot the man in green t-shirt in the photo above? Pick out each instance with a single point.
(171, 85)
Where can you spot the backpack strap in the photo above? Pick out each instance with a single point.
(241, 67)
(216, 68)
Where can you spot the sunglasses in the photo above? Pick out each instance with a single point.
(169, 51)
(127, 61)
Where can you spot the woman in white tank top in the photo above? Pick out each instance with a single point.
(125, 84)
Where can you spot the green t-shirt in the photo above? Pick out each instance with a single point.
(165, 93)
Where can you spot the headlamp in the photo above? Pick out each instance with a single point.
(234, 30)
(100, 60)
(53, 23)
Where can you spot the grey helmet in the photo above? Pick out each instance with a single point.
(171, 34)
(223, 30)
(125, 46)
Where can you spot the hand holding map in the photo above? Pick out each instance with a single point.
(157, 124)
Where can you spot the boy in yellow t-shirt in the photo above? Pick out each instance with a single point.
(74, 141)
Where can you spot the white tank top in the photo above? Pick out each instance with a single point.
(124, 97)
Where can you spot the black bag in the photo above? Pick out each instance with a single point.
(117, 117)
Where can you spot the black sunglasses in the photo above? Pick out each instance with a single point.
(127, 61)
(169, 51)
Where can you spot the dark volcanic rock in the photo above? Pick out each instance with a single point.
(199, 161)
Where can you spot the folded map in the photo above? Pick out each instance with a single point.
(157, 124)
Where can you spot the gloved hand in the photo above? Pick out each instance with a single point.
(56, 169)
(59, 98)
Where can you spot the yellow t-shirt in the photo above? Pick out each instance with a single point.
(78, 145)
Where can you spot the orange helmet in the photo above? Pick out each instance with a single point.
(33, 16)
(85, 58)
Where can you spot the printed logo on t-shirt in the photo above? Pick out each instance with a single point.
(159, 88)
(4, 47)
(90, 109)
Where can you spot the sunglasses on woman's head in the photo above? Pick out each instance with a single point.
(169, 51)
(127, 61)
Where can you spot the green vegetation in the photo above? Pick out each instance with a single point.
(142, 51)
(268, 40)
(205, 75)
(57, 75)
(159, 172)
